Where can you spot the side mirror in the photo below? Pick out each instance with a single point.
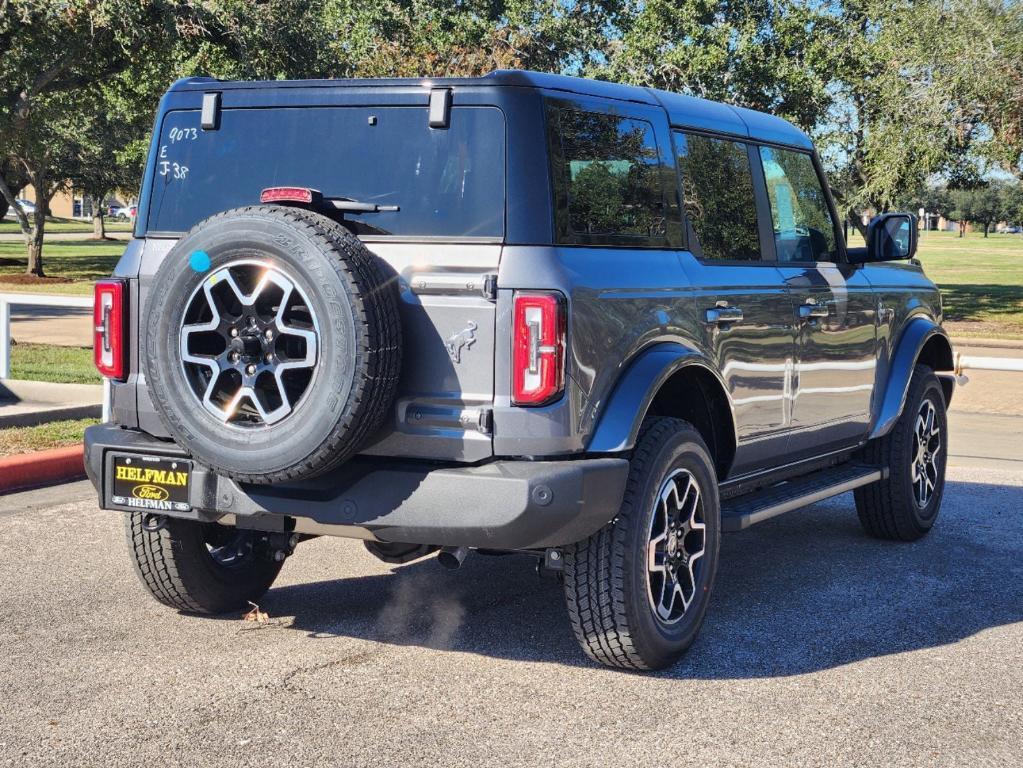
(891, 237)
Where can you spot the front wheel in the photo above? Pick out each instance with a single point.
(904, 506)
(199, 567)
(637, 590)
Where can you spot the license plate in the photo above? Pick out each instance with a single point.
(151, 483)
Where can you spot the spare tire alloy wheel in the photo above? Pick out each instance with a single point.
(272, 343)
(249, 354)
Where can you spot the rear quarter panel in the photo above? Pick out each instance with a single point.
(620, 302)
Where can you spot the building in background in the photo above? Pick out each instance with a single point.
(75, 205)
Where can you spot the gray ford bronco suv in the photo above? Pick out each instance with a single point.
(592, 323)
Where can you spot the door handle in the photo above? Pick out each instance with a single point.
(813, 309)
(723, 314)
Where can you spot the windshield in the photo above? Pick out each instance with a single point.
(447, 182)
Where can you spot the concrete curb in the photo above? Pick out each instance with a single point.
(30, 403)
(36, 418)
(29, 470)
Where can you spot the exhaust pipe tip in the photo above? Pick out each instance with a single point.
(452, 557)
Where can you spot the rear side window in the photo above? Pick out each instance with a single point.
(803, 227)
(717, 193)
(606, 176)
(447, 182)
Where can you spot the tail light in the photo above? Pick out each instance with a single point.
(539, 353)
(109, 315)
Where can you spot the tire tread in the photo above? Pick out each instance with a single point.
(882, 506)
(595, 587)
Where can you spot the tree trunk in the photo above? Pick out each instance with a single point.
(35, 240)
(856, 220)
(962, 228)
(99, 231)
(985, 228)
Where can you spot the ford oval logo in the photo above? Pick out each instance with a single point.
(150, 493)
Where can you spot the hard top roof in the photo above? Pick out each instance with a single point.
(685, 111)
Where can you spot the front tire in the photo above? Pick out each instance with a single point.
(905, 505)
(637, 590)
(199, 567)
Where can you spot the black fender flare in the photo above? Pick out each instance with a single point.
(619, 423)
(918, 333)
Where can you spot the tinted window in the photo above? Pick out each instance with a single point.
(717, 193)
(803, 227)
(447, 182)
(606, 173)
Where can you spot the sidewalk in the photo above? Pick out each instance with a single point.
(28, 403)
(63, 326)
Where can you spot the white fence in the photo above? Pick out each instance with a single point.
(7, 300)
(976, 363)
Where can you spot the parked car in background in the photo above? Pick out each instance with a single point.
(26, 205)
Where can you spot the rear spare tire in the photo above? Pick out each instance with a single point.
(273, 344)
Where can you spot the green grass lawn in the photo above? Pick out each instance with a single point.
(981, 281)
(11, 226)
(56, 434)
(47, 362)
(79, 261)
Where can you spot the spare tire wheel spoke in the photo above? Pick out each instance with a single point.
(246, 383)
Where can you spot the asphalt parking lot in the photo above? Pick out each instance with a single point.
(822, 647)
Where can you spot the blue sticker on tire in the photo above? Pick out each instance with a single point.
(199, 261)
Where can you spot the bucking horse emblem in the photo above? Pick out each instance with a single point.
(464, 339)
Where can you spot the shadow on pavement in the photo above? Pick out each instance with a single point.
(806, 592)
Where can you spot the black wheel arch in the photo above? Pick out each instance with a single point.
(672, 380)
(922, 341)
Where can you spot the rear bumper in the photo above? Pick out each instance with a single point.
(500, 505)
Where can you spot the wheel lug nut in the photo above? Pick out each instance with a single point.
(269, 358)
(234, 332)
(269, 334)
(250, 370)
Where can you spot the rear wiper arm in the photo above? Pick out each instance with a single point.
(347, 204)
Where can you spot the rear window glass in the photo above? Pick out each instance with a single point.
(606, 175)
(717, 192)
(448, 182)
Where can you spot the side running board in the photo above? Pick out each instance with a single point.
(744, 511)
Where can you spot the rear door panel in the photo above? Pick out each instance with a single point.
(446, 393)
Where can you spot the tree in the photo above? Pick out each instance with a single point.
(1014, 204)
(764, 55)
(984, 205)
(55, 57)
(411, 38)
(39, 147)
(894, 120)
(106, 148)
(991, 35)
